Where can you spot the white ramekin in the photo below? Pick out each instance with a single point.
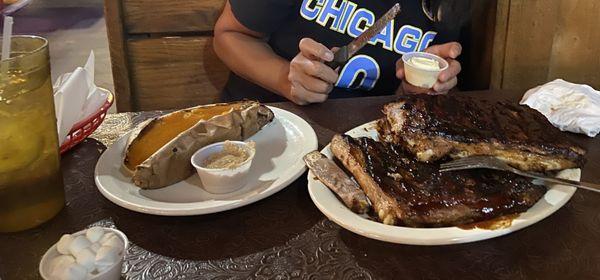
(223, 180)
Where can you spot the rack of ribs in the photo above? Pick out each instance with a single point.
(404, 191)
(433, 127)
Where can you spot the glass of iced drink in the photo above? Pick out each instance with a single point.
(31, 186)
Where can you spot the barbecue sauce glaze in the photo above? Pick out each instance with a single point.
(430, 198)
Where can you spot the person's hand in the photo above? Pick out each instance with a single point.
(310, 79)
(447, 79)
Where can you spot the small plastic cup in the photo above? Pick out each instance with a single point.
(113, 273)
(222, 180)
(421, 77)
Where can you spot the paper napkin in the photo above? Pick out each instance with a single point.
(568, 106)
(76, 97)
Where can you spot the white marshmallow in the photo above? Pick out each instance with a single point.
(69, 272)
(86, 258)
(106, 236)
(106, 256)
(79, 243)
(61, 260)
(63, 244)
(103, 268)
(95, 247)
(94, 234)
(115, 242)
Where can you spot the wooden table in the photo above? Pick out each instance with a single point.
(285, 236)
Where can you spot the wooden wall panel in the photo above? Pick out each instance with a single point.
(159, 16)
(531, 28)
(175, 72)
(544, 40)
(499, 49)
(118, 55)
(576, 48)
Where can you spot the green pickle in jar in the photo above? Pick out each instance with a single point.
(31, 186)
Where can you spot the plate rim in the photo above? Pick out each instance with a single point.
(381, 232)
(190, 208)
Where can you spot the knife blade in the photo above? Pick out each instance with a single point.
(342, 55)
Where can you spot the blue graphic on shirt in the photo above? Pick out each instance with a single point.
(311, 13)
(426, 40)
(408, 39)
(361, 67)
(362, 17)
(328, 11)
(346, 17)
(386, 36)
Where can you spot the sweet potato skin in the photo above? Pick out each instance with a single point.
(171, 163)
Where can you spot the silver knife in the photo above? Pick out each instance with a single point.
(342, 55)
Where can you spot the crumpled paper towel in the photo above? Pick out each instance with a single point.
(76, 97)
(568, 106)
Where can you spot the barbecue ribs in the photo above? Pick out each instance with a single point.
(404, 191)
(433, 127)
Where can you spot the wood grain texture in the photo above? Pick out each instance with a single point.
(499, 49)
(576, 47)
(545, 40)
(175, 72)
(156, 16)
(531, 26)
(118, 55)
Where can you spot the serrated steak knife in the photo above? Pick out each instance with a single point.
(342, 55)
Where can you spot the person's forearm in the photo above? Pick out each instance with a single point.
(252, 59)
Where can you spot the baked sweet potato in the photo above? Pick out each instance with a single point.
(159, 151)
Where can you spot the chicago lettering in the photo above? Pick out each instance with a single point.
(347, 18)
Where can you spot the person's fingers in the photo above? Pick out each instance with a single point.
(314, 68)
(445, 87)
(311, 83)
(304, 96)
(451, 72)
(448, 50)
(400, 69)
(317, 69)
(295, 96)
(314, 50)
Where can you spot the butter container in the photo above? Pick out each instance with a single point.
(422, 69)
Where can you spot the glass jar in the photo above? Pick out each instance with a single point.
(31, 184)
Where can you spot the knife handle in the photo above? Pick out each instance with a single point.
(340, 57)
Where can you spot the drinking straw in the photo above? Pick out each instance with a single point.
(6, 37)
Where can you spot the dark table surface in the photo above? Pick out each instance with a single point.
(285, 236)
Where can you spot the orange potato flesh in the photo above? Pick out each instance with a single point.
(163, 130)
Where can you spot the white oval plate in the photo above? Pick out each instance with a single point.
(280, 146)
(336, 211)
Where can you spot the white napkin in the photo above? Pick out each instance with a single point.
(76, 97)
(570, 107)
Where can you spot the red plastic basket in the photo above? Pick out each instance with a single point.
(86, 127)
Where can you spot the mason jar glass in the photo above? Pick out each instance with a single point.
(31, 184)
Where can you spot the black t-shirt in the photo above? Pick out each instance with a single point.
(372, 71)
